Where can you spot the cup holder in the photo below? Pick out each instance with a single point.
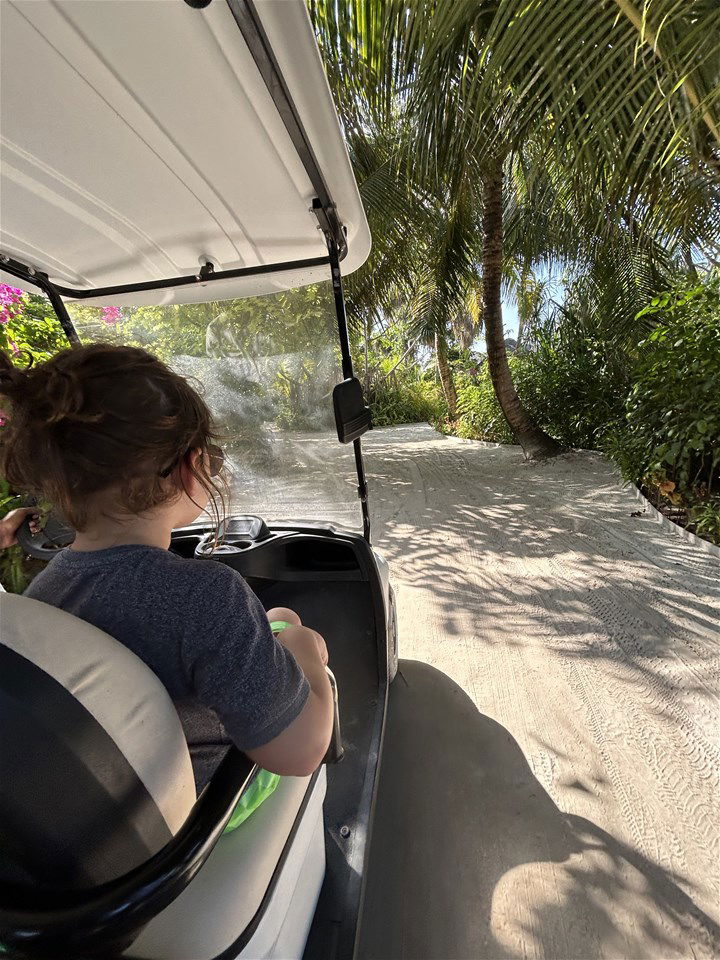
(236, 534)
(207, 548)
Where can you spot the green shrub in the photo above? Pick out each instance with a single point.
(672, 420)
(406, 399)
(14, 575)
(29, 329)
(479, 414)
(572, 385)
(704, 519)
(669, 436)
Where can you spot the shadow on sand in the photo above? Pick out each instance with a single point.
(471, 858)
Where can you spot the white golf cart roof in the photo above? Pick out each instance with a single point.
(140, 139)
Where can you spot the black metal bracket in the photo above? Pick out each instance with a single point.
(206, 271)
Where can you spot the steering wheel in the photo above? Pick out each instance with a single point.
(48, 542)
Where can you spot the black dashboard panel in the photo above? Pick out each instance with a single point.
(287, 555)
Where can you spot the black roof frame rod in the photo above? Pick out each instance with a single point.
(23, 272)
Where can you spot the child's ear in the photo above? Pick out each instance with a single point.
(190, 466)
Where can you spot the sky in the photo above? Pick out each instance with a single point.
(510, 323)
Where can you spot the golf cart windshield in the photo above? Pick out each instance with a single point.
(266, 367)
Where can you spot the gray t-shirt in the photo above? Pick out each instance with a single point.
(202, 631)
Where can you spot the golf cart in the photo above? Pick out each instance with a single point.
(159, 154)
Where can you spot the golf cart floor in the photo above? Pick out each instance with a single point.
(342, 613)
(470, 857)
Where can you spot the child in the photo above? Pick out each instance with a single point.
(123, 449)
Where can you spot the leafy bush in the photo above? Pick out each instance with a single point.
(653, 407)
(302, 393)
(479, 413)
(570, 384)
(16, 570)
(406, 399)
(12, 568)
(573, 385)
(669, 437)
(673, 409)
(29, 329)
(704, 519)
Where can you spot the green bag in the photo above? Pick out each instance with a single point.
(260, 789)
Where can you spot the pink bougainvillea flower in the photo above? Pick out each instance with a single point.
(111, 315)
(9, 299)
(9, 294)
(14, 347)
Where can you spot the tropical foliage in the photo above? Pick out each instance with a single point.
(651, 404)
(563, 155)
(532, 132)
(497, 144)
(670, 437)
(29, 329)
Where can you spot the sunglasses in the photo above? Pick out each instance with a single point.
(216, 461)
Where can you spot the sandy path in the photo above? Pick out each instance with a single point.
(594, 638)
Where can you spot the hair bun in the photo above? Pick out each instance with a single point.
(44, 395)
(62, 397)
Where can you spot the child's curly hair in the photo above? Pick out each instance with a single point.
(101, 416)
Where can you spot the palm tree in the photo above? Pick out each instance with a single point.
(620, 102)
(535, 442)
(424, 251)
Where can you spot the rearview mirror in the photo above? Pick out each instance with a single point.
(352, 417)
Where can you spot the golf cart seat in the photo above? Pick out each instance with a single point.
(100, 831)
(92, 750)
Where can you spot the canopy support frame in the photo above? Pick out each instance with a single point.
(24, 272)
(44, 283)
(347, 371)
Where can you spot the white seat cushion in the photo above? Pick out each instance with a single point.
(212, 913)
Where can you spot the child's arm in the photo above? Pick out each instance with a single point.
(300, 748)
(271, 694)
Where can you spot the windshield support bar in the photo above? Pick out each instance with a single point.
(41, 280)
(61, 312)
(347, 371)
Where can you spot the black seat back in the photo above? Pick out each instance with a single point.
(95, 775)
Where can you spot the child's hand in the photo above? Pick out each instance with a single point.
(302, 641)
(284, 615)
(11, 522)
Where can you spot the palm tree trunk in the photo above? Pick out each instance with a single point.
(446, 377)
(536, 444)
